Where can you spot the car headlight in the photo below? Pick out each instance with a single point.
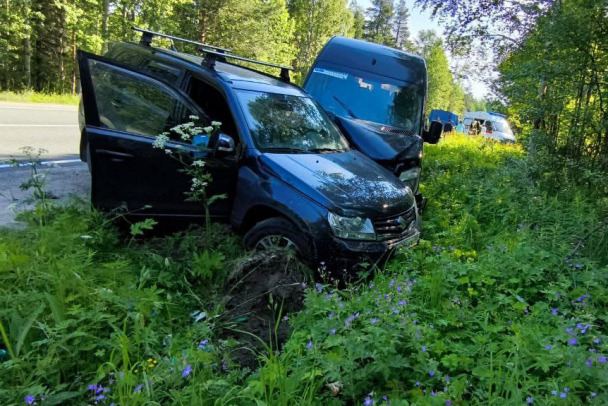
(411, 177)
(352, 228)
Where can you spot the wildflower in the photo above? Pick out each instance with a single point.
(597, 341)
(447, 379)
(601, 359)
(160, 141)
(30, 400)
(593, 394)
(138, 388)
(374, 320)
(569, 330)
(347, 323)
(92, 388)
(573, 341)
(368, 401)
(193, 117)
(432, 373)
(529, 400)
(548, 346)
(208, 129)
(100, 398)
(216, 123)
(563, 395)
(203, 343)
(224, 366)
(330, 315)
(187, 371)
(424, 348)
(309, 345)
(566, 390)
(333, 331)
(448, 402)
(418, 383)
(198, 163)
(555, 311)
(285, 318)
(554, 392)
(589, 362)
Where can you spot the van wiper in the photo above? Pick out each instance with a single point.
(344, 106)
(286, 150)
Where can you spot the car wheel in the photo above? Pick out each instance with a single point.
(275, 233)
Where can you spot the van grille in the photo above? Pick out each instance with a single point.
(390, 228)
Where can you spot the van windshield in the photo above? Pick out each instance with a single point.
(289, 124)
(368, 97)
(502, 126)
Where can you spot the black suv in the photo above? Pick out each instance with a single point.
(291, 178)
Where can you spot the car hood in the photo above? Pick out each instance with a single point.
(382, 143)
(347, 183)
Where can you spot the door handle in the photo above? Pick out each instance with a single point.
(114, 155)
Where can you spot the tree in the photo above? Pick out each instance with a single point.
(316, 21)
(400, 27)
(378, 27)
(358, 20)
(430, 47)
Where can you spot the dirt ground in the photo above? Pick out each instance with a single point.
(63, 182)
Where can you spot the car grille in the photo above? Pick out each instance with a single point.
(390, 228)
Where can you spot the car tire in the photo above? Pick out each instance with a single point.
(277, 232)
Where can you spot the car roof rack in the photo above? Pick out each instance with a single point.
(147, 35)
(212, 56)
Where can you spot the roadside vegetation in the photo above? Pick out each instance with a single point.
(34, 97)
(503, 302)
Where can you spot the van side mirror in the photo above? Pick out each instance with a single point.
(433, 135)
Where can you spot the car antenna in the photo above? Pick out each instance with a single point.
(147, 35)
(212, 56)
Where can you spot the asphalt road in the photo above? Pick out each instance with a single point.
(53, 127)
(50, 127)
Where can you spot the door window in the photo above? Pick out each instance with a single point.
(214, 105)
(135, 104)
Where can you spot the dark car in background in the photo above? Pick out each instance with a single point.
(290, 176)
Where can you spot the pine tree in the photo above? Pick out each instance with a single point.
(400, 26)
(379, 18)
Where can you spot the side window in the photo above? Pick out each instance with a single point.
(135, 104)
(214, 105)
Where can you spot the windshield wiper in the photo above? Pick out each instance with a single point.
(286, 150)
(344, 106)
(322, 150)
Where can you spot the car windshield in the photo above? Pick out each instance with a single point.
(502, 126)
(289, 124)
(369, 97)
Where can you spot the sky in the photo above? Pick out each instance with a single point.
(420, 20)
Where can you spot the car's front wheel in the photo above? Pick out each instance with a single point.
(275, 233)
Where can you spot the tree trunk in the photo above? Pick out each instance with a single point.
(27, 60)
(74, 62)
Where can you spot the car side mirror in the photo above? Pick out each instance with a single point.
(224, 146)
(433, 135)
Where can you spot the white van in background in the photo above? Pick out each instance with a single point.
(491, 125)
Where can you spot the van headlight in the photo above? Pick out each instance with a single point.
(352, 228)
(411, 177)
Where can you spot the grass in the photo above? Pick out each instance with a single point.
(503, 303)
(34, 97)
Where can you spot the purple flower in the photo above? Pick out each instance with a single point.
(554, 392)
(224, 367)
(92, 388)
(593, 394)
(424, 348)
(187, 371)
(309, 345)
(601, 359)
(447, 379)
(333, 331)
(529, 400)
(563, 395)
(566, 390)
(374, 320)
(589, 362)
(448, 402)
(554, 310)
(418, 383)
(30, 400)
(597, 341)
(203, 343)
(138, 388)
(573, 341)
(548, 346)
(330, 315)
(368, 401)
(100, 398)
(569, 330)
(347, 323)
(432, 373)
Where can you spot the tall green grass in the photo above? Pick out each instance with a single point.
(503, 303)
(35, 97)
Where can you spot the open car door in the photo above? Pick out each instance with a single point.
(124, 111)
